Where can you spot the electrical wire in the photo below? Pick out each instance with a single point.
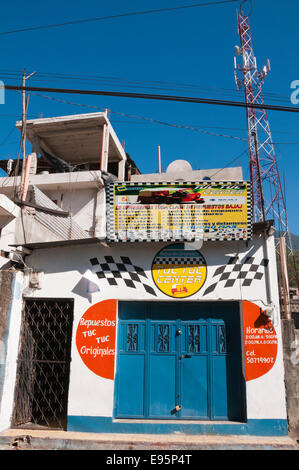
(7, 137)
(9, 143)
(152, 120)
(230, 163)
(10, 75)
(182, 99)
(120, 15)
(251, 7)
(148, 119)
(204, 126)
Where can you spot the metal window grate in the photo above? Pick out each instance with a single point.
(132, 337)
(193, 338)
(222, 339)
(44, 363)
(163, 338)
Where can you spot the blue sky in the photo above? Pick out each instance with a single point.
(162, 52)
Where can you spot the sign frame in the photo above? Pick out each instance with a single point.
(112, 235)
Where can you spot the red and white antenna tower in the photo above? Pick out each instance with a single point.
(268, 197)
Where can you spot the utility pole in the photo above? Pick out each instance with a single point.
(24, 116)
(23, 137)
(24, 120)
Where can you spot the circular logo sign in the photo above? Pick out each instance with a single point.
(179, 272)
(95, 338)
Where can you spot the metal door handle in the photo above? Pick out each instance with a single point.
(186, 356)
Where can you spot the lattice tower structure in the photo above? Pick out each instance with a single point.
(268, 196)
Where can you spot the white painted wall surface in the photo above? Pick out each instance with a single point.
(14, 325)
(9, 211)
(7, 237)
(91, 395)
(266, 395)
(81, 203)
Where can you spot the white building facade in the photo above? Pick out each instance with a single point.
(137, 337)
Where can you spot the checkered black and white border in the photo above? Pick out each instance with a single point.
(122, 272)
(182, 260)
(110, 224)
(234, 271)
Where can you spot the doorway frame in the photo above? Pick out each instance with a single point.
(243, 398)
(17, 388)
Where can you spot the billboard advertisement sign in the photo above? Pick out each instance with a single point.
(176, 211)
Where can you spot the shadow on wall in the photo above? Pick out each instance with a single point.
(87, 289)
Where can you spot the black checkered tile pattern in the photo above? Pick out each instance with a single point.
(235, 271)
(114, 272)
(172, 261)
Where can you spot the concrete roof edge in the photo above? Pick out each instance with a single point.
(66, 118)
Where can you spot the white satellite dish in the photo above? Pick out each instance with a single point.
(179, 167)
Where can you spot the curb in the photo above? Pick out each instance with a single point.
(28, 442)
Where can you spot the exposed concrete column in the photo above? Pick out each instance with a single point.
(100, 214)
(121, 170)
(105, 147)
(30, 167)
(34, 155)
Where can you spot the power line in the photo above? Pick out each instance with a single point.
(120, 15)
(9, 143)
(13, 74)
(251, 6)
(202, 91)
(204, 126)
(154, 121)
(230, 162)
(146, 119)
(8, 135)
(9, 115)
(183, 99)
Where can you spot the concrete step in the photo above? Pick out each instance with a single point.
(27, 439)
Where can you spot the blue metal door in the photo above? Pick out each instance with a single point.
(179, 361)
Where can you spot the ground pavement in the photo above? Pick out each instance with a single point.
(27, 439)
